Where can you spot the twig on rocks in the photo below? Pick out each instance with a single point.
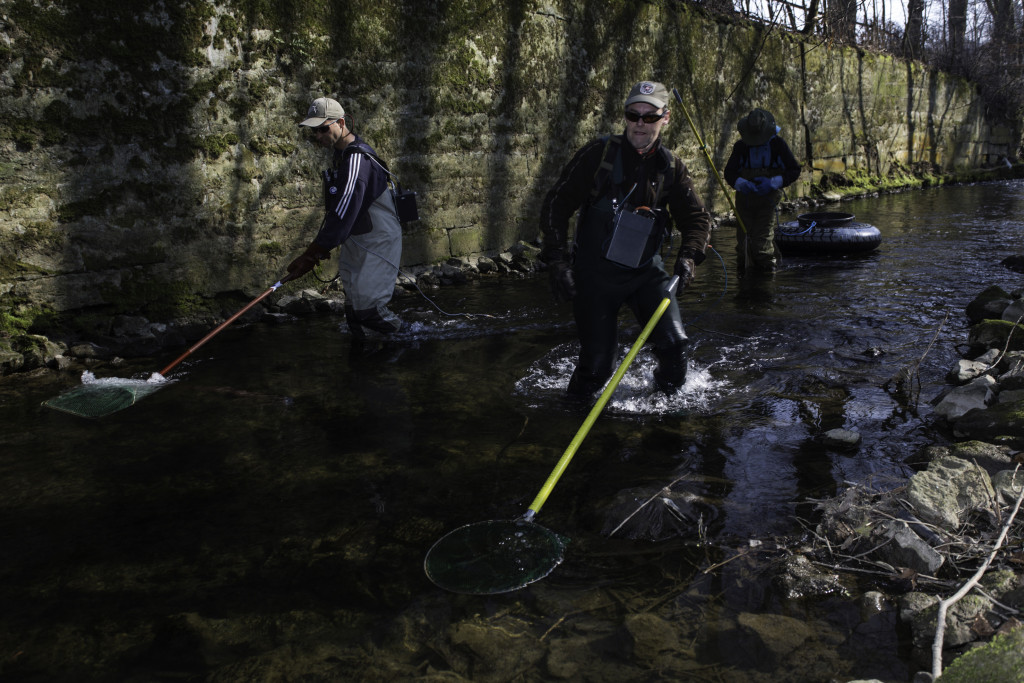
(1006, 346)
(944, 605)
(908, 373)
(1012, 610)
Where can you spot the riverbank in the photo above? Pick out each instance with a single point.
(945, 549)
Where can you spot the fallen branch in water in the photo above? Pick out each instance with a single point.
(944, 605)
(903, 380)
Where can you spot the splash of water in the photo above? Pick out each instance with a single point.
(140, 386)
(637, 394)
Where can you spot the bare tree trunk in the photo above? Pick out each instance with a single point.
(811, 18)
(913, 34)
(1002, 23)
(957, 21)
(841, 18)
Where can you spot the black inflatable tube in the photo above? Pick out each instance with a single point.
(827, 234)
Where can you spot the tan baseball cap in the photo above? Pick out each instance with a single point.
(323, 110)
(649, 92)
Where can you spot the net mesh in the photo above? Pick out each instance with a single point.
(99, 397)
(493, 557)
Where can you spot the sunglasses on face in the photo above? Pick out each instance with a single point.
(633, 117)
(324, 128)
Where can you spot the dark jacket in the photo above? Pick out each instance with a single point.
(350, 187)
(780, 161)
(576, 185)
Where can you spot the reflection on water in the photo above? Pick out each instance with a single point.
(267, 512)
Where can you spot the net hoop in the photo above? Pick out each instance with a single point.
(491, 557)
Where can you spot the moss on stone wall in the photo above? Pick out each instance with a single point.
(164, 138)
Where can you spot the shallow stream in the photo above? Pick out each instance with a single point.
(266, 515)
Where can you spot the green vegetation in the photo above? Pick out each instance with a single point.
(11, 323)
(1000, 661)
(212, 146)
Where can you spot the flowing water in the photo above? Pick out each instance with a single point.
(266, 515)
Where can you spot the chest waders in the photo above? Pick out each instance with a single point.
(756, 247)
(368, 264)
(604, 283)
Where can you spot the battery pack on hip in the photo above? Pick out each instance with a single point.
(631, 234)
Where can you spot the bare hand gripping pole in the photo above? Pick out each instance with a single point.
(725, 188)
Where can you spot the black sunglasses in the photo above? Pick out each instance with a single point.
(323, 128)
(633, 117)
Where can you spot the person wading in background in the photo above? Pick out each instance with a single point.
(629, 190)
(761, 164)
(360, 217)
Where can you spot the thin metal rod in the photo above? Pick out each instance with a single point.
(563, 462)
(224, 324)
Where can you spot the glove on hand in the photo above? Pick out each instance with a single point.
(313, 255)
(563, 282)
(745, 186)
(762, 185)
(776, 182)
(684, 269)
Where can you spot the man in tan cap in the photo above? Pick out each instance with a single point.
(629, 190)
(761, 164)
(360, 217)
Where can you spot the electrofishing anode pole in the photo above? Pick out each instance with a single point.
(563, 462)
(725, 188)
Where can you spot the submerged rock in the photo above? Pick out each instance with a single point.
(656, 515)
(841, 438)
(651, 636)
(802, 579)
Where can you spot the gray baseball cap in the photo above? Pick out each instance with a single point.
(323, 110)
(649, 92)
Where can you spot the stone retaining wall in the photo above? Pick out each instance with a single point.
(153, 161)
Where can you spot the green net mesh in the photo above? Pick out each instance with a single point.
(493, 557)
(97, 398)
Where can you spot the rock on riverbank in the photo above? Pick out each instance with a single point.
(924, 538)
(126, 336)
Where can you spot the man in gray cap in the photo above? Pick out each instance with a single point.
(360, 217)
(761, 164)
(629, 190)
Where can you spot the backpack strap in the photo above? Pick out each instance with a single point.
(609, 159)
(392, 178)
(663, 173)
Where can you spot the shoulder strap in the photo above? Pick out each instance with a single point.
(668, 167)
(392, 178)
(609, 158)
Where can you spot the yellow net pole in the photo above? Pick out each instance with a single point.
(725, 188)
(606, 395)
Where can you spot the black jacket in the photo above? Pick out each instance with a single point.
(576, 185)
